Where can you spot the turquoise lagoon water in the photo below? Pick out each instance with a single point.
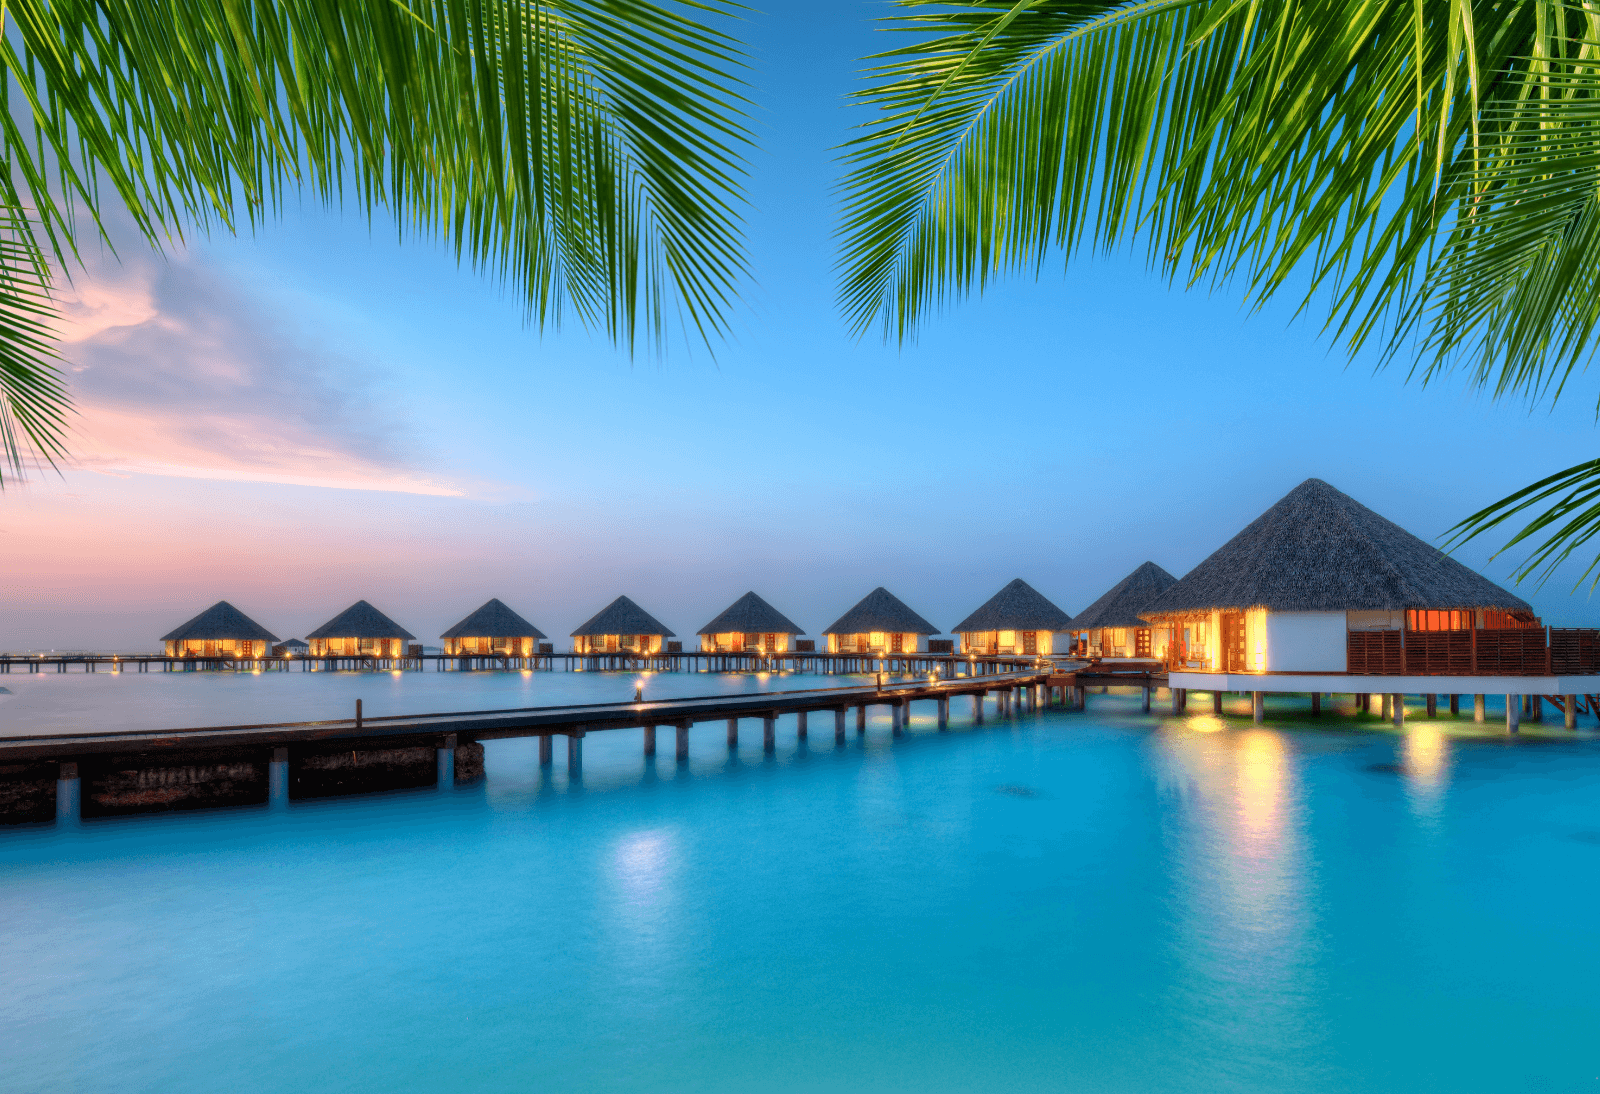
(1065, 902)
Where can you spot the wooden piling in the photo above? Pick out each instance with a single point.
(683, 741)
(1433, 705)
(733, 733)
(800, 725)
(545, 751)
(1513, 713)
(769, 734)
(1455, 705)
(1258, 706)
(649, 740)
(838, 725)
(1216, 702)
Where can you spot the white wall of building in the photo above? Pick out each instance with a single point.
(1302, 641)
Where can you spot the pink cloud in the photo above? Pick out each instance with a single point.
(175, 373)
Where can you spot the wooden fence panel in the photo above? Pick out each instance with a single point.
(1375, 653)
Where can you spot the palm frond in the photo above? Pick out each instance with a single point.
(1425, 173)
(588, 152)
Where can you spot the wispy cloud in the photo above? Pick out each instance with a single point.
(175, 372)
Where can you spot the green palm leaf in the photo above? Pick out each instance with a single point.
(1425, 172)
(588, 152)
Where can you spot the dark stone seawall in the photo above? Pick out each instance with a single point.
(115, 786)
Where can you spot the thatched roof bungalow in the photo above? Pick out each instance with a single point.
(493, 629)
(1017, 619)
(360, 631)
(1314, 582)
(291, 647)
(880, 623)
(1112, 628)
(621, 626)
(220, 631)
(749, 622)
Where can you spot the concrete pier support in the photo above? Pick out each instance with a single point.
(1216, 702)
(838, 725)
(1455, 705)
(1316, 703)
(1513, 713)
(1258, 707)
(801, 730)
(545, 751)
(574, 753)
(944, 712)
(445, 755)
(1397, 708)
(1433, 705)
(1479, 708)
(1570, 703)
(977, 707)
(769, 732)
(69, 796)
(649, 740)
(278, 779)
(1146, 707)
(683, 742)
(733, 733)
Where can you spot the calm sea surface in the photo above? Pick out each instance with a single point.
(1099, 903)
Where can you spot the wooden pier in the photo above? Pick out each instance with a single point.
(947, 665)
(71, 775)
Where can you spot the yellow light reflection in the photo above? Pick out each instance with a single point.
(1427, 769)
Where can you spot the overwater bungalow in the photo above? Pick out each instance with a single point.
(291, 647)
(220, 631)
(360, 631)
(749, 623)
(1016, 620)
(622, 626)
(1111, 628)
(880, 623)
(1320, 594)
(493, 629)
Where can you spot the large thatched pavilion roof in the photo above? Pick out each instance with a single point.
(361, 620)
(1320, 550)
(751, 615)
(881, 610)
(1122, 603)
(494, 620)
(623, 616)
(1017, 607)
(221, 620)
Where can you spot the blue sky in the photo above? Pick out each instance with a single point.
(419, 446)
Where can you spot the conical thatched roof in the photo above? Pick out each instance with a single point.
(296, 644)
(1319, 550)
(1017, 607)
(881, 610)
(751, 615)
(494, 620)
(1122, 605)
(623, 616)
(221, 620)
(361, 620)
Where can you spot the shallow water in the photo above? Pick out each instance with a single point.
(1101, 902)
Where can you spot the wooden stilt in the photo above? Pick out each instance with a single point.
(1455, 705)
(1433, 705)
(1569, 707)
(1258, 706)
(683, 741)
(1479, 708)
(733, 733)
(800, 726)
(649, 740)
(769, 732)
(1216, 702)
(1513, 713)
(544, 751)
(1316, 703)
(838, 725)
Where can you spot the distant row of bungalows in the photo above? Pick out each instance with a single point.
(1317, 584)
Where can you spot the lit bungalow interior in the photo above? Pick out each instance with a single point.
(621, 626)
(1016, 620)
(1321, 583)
(880, 623)
(1111, 627)
(360, 631)
(493, 629)
(749, 623)
(220, 631)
